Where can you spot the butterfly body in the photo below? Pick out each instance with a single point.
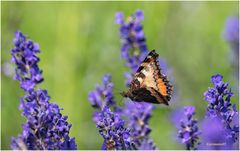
(149, 84)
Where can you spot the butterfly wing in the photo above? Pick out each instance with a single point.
(147, 95)
(149, 84)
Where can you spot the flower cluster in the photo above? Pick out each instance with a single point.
(103, 95)
(111, 128)
(110, 125)
(134, 47)
(46, 128)
(220, 128)
(189, 132)
(24, 56)
(220, 107)
(138, 115)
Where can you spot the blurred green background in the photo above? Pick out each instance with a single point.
(80, 43)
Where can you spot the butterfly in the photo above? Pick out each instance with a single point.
(149, 84)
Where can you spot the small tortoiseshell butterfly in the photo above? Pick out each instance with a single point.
(149, 84)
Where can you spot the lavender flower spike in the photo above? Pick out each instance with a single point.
(109, 124)
(103, 95)
(24, 56)
(138, 116)
(134, 47)
(219, 98)
(111, 128)
(133, 42)
(46, 128)
(189, 133)
(231, 35)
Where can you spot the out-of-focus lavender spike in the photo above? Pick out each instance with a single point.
(214, 135)
(231, 35)
(147, 144)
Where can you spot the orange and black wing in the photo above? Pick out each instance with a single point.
(149, 84)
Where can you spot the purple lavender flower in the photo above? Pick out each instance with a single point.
(111, 128)
(220, 107)
(134, 47)
(188, 132)
(138, 115)
(103, 95)
(24, 56)
(231, 32)
(46, 128)
(110, 125)
(147, 144)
